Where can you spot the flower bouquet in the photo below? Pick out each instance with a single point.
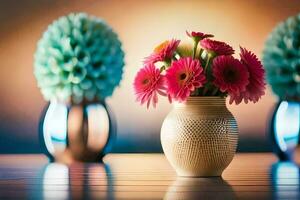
(207, 68)
(199, 136)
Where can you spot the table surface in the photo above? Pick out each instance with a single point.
(145, 176)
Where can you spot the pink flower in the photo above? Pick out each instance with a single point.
(217, 47)
(230, 75)
(256, 87)
(198, 35)
(183, 77)
(147, 83)
(162, 52)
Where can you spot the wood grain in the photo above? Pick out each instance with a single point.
(145, 176)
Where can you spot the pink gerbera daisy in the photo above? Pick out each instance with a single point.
(198, 35)
(163, 52)
(183, 77)
(256, 87)
(147, 84)
(230, 75)
(217, 47)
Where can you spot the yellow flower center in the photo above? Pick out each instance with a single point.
(161, 46)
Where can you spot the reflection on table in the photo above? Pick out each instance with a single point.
(285, 180)
(79, 181)
(145, 176)
(200, 188)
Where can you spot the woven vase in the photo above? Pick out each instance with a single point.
(199, 137)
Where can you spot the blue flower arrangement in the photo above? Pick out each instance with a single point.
(78, 58)
(281, 58)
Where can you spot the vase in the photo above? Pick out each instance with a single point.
(76, 132)
(199, 137)
(285, 129)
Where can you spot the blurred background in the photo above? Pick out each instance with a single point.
(141, 25)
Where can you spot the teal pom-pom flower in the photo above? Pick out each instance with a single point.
(79, 57)
(281, 58)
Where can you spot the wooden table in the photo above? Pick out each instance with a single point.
(145, 176)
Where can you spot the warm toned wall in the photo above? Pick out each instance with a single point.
(141, 25)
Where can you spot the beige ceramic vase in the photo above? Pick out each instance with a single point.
(199, 137)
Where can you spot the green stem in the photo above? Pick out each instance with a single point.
(174, 57)
(179, 54)
(215, 91)
(195, 48)
(200, 53)
(207, 63)
(205, 90)
(167, 63)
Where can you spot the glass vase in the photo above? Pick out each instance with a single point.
(76, 132)
(285, 128)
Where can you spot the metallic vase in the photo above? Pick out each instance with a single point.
(81, 132)
(285, 129)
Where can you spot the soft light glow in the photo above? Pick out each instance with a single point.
(55, 127)
(287, 125)
(98, 125)
(287, 173)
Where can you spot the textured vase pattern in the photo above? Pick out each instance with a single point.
(199, 137)
(82, 132)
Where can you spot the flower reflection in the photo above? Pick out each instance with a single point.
(77, 181)
(285, 180)
(200, 188)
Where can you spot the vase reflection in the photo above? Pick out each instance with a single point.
(56, 181)
(76, 181)
(184, 188)
(285, 175)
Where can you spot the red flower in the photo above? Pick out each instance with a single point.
(183, 77)
(217, 47)
(230, 75)
(256, 87)
(198, 35)
(147, 84)
(162, 52)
